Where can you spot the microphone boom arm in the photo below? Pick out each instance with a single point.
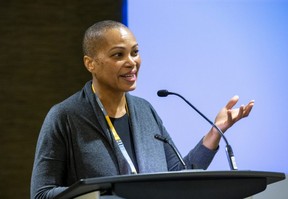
(229, 151)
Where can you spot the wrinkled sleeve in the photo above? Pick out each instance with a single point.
(49, 164)
(200, 156)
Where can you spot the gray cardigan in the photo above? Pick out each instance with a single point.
(75, 143)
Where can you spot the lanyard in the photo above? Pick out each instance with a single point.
(115, 134)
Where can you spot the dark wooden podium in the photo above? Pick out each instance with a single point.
(178, 185)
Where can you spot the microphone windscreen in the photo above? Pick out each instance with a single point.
(162, 93)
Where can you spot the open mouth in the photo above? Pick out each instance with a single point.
(131, 77)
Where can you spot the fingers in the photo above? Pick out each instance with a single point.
(232, 102)
(240, 113)
(234, 115)
(248, 108)
(243, 111)
(229, 116)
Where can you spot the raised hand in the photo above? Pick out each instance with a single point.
(229, 116)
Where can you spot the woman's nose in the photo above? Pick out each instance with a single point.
(131, 60)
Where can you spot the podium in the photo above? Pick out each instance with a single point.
(179, 184)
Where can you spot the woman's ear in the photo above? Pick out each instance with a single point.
(89, 63)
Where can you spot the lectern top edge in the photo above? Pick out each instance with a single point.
(109, 183)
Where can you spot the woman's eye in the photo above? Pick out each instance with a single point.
(117, 55)
(135, 52)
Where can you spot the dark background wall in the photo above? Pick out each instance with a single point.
(40, 65)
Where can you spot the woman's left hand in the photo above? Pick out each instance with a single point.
(229, 116)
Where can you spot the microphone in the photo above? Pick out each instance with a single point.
(165, 140)
(229, 151)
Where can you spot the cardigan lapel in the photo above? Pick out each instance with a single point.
(100, 121)
(149, 152)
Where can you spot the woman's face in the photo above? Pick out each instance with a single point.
(117, 62)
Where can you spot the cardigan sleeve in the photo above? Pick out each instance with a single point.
(50, 159)
(199, 157)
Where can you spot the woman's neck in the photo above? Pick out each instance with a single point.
(113, 102)
(114, 107)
